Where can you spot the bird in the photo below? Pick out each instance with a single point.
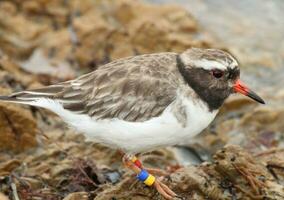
(144, 102)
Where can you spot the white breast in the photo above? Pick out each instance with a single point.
(136, 137)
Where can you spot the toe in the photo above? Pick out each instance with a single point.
(164, 190)
(168, 190)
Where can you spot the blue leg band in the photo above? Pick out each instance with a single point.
(143, 175)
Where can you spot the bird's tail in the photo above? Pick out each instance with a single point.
(10, 99)
(29, 96)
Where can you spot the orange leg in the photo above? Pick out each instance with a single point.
(156, 171)
(135, 165)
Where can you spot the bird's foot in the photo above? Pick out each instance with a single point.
(164, 190)
(160, 172)
(143, 175)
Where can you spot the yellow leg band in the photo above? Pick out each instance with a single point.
(134, 158)
(150, 180)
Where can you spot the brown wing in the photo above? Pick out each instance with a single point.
(132, 89)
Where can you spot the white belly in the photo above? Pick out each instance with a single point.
(134, 137)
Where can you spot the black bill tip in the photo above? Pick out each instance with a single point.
(255, 97)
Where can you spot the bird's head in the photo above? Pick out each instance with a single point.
(213, 74)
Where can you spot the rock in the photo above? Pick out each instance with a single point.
(7, 167)
(95, 32)
(18, 127)
(243, 122)
(129, 29)
(77, 196)
(15, 40)
(236, 103)
(32, 183)
(64, 34)
(3, 197)
(13, 77)
(233, 174)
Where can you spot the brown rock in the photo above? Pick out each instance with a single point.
(18, 35)
(92, 33)
(3, 197)
(7, 167)
(17, 128)
(234, 173)
(77, 196)
(17, 125)
(236, 103)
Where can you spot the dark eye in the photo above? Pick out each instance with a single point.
(217, 73)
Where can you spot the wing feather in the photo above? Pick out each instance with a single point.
(130, 89)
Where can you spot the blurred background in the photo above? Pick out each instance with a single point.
(43, 42)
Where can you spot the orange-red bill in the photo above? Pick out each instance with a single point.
(243, 89)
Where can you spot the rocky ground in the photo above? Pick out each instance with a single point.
(47, 41)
